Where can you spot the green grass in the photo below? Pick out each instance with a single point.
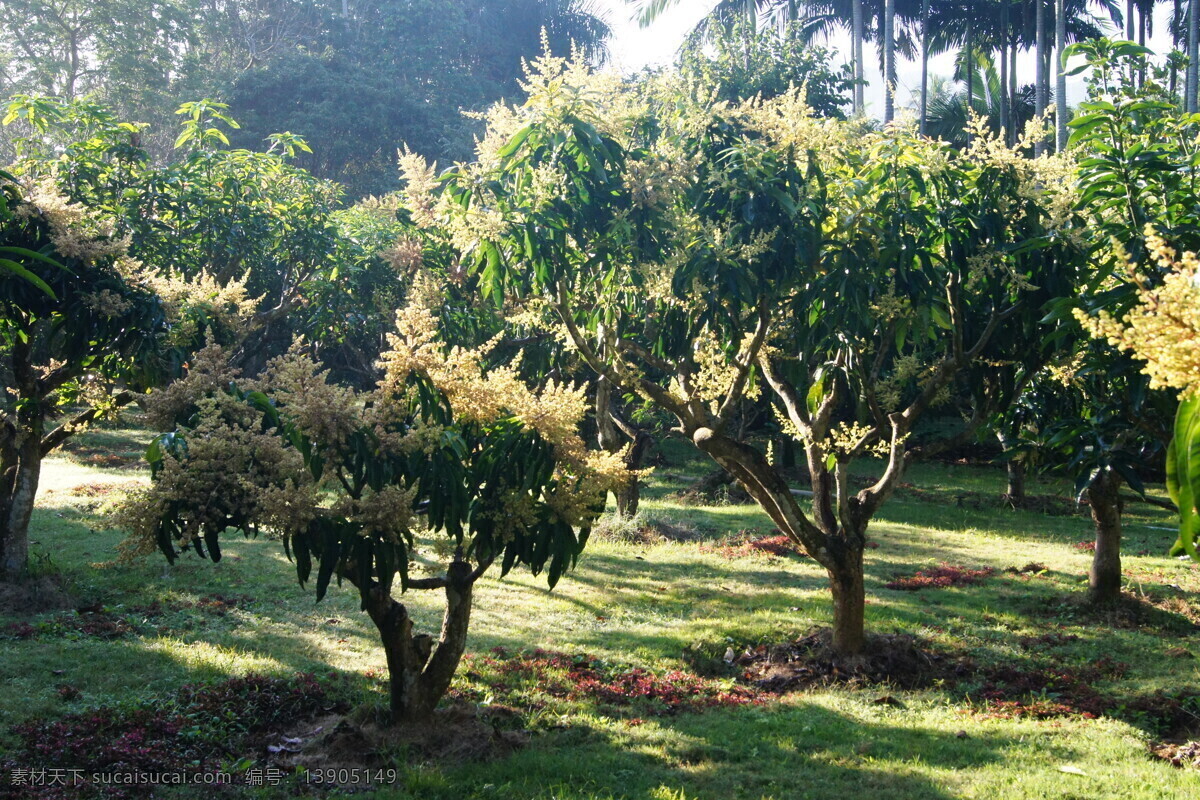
(645, 605)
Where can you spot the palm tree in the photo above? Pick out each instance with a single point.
(889, 60)
(947, 112)
(924, 64)
(1042, 59)
(1060, 86)
(1193, 53)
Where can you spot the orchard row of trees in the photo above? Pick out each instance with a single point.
(417, 372)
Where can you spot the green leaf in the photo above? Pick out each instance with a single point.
(303, 557)
(16, 269)
(330, 553)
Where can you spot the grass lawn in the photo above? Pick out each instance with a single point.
(663, 606)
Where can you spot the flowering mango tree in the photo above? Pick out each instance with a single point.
(1137, 176)
(697, 255)
(79, 326)
(443, 448)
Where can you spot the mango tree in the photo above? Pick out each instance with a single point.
(214, 214)
(78, 329)
(496, 473)
(696, 255)
(1137, 177)
(98, 307)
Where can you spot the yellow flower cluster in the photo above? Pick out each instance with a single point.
(75, 230)
(485, 395)
(228, 305)
(1164, 328)
(405, 255)
(714, 372)
(107, 303)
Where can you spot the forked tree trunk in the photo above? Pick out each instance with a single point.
(419, 672)
(1104, 578)
(838, 550)
(629, 496)
(611, 435)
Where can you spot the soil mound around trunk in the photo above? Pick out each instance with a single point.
(28, 596)
(357, 743)
(900, 661)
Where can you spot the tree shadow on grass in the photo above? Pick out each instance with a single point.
(795, 751)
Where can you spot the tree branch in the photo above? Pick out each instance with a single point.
(56, 437)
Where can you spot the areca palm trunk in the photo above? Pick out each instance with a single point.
(1189, 101)
(1142, 28)
(856, 45)
(1004, 39)
(1012, 89)
(924, 63)
(889, 60)
(969, 65)
(1060, 85)
(1040, 99)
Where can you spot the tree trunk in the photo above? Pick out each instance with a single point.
(1193, 52)
(1012, 91)
(924, 64)
(630, 495)
(1040, 98)
(1104, 578)
(1016, 482)
(18, 490)
(1005, 124)
(969, 67)
(857, 46)
(1142, 42)
(889, 60)
(1015, 471)
(418, 674)
(849, 603)
(838, 550)
(1060, 72)
(609, 430)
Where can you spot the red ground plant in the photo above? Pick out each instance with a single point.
(514, 678)
(779, 545)
(940, 577)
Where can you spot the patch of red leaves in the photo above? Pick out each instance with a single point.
(103, 623)
(1086, 546)
(85, 623)
(1048, 691)
(940, 577)
(779, 545)
(616, 688)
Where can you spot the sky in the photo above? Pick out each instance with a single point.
(633, 47)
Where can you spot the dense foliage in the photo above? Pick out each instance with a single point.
(701, 255)
(348, 479)
(287, 65)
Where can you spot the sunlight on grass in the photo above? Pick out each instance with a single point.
(210, 660)
(650, 605)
